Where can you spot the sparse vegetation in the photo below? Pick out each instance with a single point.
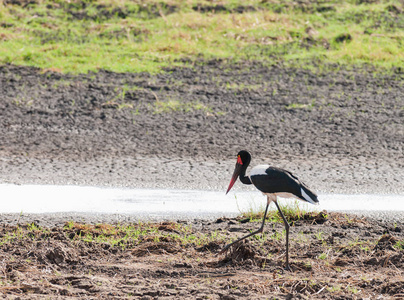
(79, 257)
(176, 105)
(399, 245)
(118, 235)
(300, 105)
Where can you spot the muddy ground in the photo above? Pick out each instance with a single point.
(333, 257)
(340, 131)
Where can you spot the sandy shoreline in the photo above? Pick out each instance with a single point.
(156, 173)
(343, 176)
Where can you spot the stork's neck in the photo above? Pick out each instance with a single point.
(245, 179)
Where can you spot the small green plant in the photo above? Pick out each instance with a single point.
(399, 245)
(348, 219)
(277, 236)
(323, 256)
(9, 237)
(334, 289)
(69, 225)
(301, 105)
(33, 227)
(352, 289)
(319, 236)
(177, 105)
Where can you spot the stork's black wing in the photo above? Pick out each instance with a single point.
(276, 180)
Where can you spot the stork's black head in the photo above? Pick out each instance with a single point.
(243, 160)
(244, 156)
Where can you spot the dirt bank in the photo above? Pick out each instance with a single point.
(337, 257)
(340, 131)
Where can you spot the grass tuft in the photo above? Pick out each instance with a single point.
(177, 105)
(293, 211)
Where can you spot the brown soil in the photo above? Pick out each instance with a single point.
(337, 257)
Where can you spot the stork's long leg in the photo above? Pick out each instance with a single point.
(287, 236)
(252, 233)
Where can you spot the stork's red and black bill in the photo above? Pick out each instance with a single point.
(236, 173)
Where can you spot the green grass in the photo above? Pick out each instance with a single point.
(122, 236)
(177, 105)
(292, 210)
(399, 245)
(323, 256)
(127, 36)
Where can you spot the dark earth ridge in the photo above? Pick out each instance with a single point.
(342, 129)
(277, 112)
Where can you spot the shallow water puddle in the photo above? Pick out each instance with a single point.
(160, 202)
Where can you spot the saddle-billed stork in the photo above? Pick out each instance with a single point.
(272, 182)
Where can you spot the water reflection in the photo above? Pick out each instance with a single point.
(52, 199)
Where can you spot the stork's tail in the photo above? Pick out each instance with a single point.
(308, 195)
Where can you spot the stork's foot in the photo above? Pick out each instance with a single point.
(288, 268)
(225, 248)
